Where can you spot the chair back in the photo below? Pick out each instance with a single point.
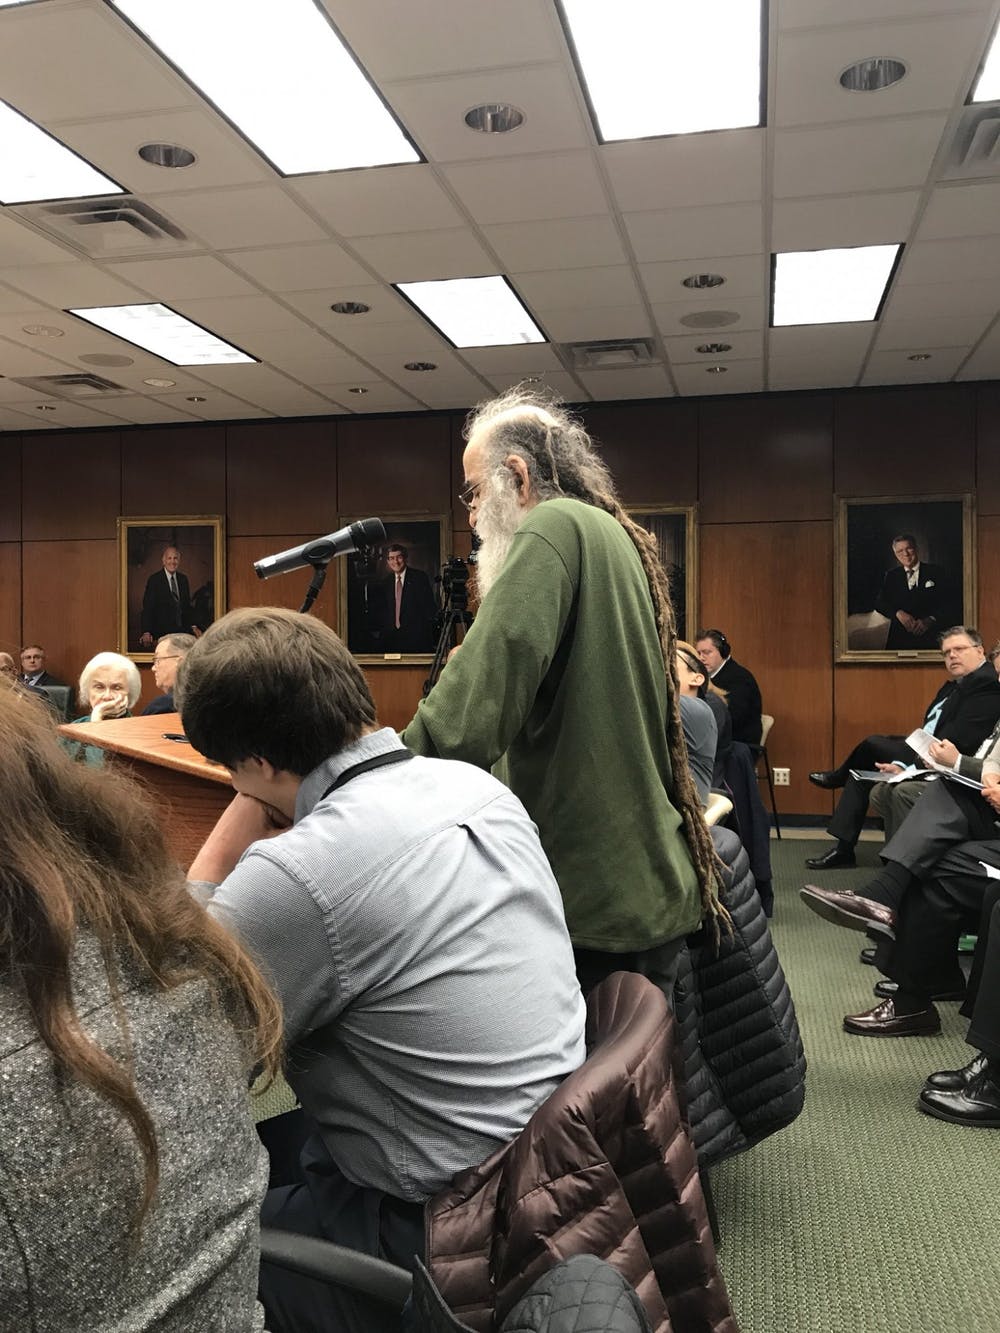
(766, 723)
(60, 699)
(717, 807)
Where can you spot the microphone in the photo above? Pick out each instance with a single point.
(363, 533)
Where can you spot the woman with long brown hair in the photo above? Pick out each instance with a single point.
(130, 1172)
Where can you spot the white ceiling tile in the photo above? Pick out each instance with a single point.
(596, 323)
(936, 52)
(946, 331)
(74, 414)
(837, 343)
(742, 347)
(639, 382)
(12, 302)
(17, 358)
(781, 377)
(141, 411)
(218, 406)
(177, 278)
(222, 157)
(395, 41)
(409, 340)
(517, 189)
(686, 170)
(571, 288)
(971, 259)
(750, 314)
(857, 219)
(384, 306)
(434, 111)
(236, 316)
(876, 155)
(424, 256)
(984, 363)
(739, 377)
(228, 219)
(71, 285)
(558, 381)
(20, 244)
(13, 420)
(519, 361)
(725, 229)
(745, 275)
(299, 268)
(413, 381)
(892, 367)
(943, 299)
(72, 62)
(825, 13)
(969, 209)
(527, 247)
(373, 201)
(379, 396)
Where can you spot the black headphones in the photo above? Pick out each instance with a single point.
(720, 641)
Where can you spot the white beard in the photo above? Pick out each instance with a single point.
(497, 520)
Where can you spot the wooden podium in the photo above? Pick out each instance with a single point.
(190, 792)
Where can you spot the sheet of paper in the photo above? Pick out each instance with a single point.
(991, 871)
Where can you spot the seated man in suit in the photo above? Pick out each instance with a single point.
(409, 921)
(963, 711)
(405, 607)
(167, 657)
(33, 667)
(166, 602)
(916, 598)
(737, 683)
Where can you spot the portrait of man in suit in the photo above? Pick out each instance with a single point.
(172, 579)
(389, 606)
(166, 602)
(915, 597)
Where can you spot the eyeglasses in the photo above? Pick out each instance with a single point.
(167, 657)
(470, 495)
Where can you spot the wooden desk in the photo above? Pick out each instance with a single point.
(190, 792)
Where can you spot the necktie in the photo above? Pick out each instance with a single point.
(173, 588)
(911, 578)
(933, 717)
(399, 596)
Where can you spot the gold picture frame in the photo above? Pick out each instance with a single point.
(675, 528)
(877, 618)
(145, 609)
(366, 602)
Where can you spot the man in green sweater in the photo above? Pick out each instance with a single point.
(567, 676)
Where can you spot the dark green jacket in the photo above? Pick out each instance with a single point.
(563, 676)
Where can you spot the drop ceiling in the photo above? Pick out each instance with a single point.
(595, 238)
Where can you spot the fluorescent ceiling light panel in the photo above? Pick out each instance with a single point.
(34, 166)
(831, 286)
(160, 330)
(474, 312)
(668, 66)
(279, 71)
(987, 86)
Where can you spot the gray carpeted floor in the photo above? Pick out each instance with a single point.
(864, 1215)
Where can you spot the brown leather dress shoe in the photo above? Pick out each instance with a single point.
(883, 1021)
(844, 908)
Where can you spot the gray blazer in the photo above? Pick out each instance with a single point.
(70, 1171)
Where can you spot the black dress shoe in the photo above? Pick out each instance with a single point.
(867, 956)
(883, 1021)
(954, 1080)
(887, 990)
(835, 858)
(826, 778)
(978, 1103)
(848, 909)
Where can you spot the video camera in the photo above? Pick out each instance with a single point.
(454, 580)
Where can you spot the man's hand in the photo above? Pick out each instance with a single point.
(906, 620)
(243, 822)
(920, 626)
(889, 769)
(991, 795)
(944, 752)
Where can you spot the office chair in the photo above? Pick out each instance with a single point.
(760, 752)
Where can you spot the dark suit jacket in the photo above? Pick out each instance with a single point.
(743, 698)
(417, 610)
(932, 598)
(971, 708)
(46, 678)
(160, 613)
(163, 704)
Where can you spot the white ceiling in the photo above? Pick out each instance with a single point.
(596, 239)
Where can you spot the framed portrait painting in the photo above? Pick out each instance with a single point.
(675, 529)
(905, 571)
(171, 579)
(390, 593)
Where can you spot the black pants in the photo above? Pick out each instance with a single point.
(948, 814)
(982, 999)
(849, 816)
(659, 964)
(328, 1205)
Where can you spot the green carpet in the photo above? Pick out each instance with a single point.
(864, 1215)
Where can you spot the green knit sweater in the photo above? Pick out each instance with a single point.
(562, 677)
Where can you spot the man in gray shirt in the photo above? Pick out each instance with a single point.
(405, 913)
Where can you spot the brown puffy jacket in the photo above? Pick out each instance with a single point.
(605, 1166)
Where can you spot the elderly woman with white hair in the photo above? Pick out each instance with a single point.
(109, 687)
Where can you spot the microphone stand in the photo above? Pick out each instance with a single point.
(318, 579)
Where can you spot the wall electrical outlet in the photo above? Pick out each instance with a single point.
(782, 777)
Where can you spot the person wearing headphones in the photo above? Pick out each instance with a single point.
(741, 689)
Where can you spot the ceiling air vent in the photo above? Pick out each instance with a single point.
(120, 224)
(73, 385)
(975, 149)
(614, 354)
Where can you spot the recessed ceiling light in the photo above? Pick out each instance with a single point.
(716, 370)
(701, 281)
(281, 74)
(987, 86)
(494, 118)
(194, 398)
(42, 331)
(714, 349)
(34, 166)
(420, 365)
(170, 155)
(160, 384)
(358, 388)
(106, 359)
(158, 329)
(350, 308)
(873, 74)
(44, 407)
(672, 68)
(919, 356)
(831, 286)
(474, 312)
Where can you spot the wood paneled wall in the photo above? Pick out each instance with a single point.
(763, 470)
